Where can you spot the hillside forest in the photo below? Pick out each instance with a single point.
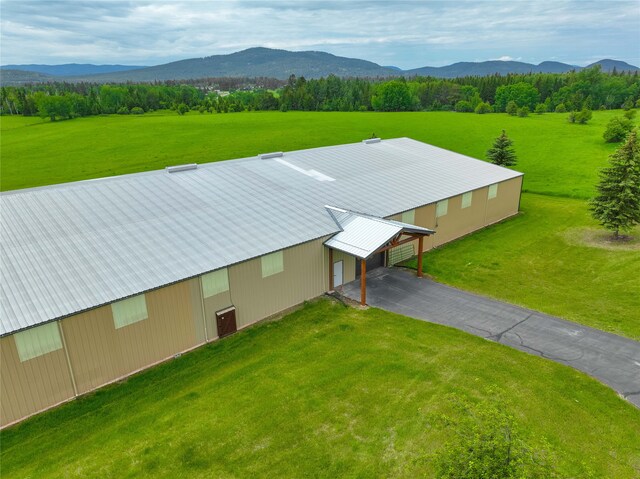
(587, 89)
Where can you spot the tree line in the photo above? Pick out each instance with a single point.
(514, 93)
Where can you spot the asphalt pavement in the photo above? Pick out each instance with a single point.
(611, 359)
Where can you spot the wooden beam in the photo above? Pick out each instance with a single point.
(363, 282)
(420, 243)
(391, 246)
(330, 269)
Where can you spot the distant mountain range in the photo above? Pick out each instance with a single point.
(71, 69)
(265, 62)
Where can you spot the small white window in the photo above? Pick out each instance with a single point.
(466, 199)
(493, 191)
(441, 208)
(409, 217)
(272, 264)
(215, 282)
(129, 311)
(37, 341)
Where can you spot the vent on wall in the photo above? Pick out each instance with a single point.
(266, 156)
(371, 140)
(175, 169)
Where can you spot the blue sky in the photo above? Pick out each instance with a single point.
(407, 34)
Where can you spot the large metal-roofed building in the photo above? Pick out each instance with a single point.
(102, 278)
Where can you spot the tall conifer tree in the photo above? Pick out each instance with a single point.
(617, 205)
(502, 153)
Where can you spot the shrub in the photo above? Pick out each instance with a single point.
(483, 108)
(136, 110)
(561, 108)
(487, 442)
(182, 108)
(464, 106)
(583, 116)
(524, 111)
(617, 129)
(123, 110)
(628, 104)
(541, 108)
(512, 108)
(630, 114)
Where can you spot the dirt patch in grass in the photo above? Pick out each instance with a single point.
(599, 238)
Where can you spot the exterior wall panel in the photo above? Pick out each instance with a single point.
(30, 386)
(256, 297)
(460, 221)
(99, 353)
(506, 202)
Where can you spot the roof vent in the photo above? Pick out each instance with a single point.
(175, 169)
(371, 140)
(266, 156)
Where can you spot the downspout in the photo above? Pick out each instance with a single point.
(66, 355)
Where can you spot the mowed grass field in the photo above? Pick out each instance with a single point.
(558, 158)
(533, 260)
(328, 391)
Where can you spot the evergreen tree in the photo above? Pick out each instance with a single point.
(502, 153)
(617, 205)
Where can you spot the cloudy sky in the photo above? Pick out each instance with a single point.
(407, 34)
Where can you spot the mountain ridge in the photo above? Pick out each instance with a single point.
(280, 64)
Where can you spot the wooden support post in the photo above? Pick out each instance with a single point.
(330, 269)
(363, 282)
(420, 243)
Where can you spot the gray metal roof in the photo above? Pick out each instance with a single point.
(362, 235)
(71, 247)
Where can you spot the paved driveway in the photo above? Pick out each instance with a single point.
(612, 359)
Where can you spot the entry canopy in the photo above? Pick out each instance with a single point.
(363, 235)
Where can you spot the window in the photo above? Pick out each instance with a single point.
(493, 191)
(409, 217)
(442, 208)
(215, 282)
(272, 264)
(37, 341)
(129, 311)
(466, 199)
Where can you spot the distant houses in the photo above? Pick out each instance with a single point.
(103, 278)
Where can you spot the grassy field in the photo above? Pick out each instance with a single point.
(328, 391)
(537, 260)
(558, 158)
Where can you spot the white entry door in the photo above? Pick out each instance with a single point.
(337, 274)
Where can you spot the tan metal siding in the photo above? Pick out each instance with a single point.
(99, 353)
(256, 298)
(348, 266)
(29, 387)
(461, 221)
(506, 203)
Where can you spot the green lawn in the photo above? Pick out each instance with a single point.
(534, 260)
(328, 392)
(558, 158)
